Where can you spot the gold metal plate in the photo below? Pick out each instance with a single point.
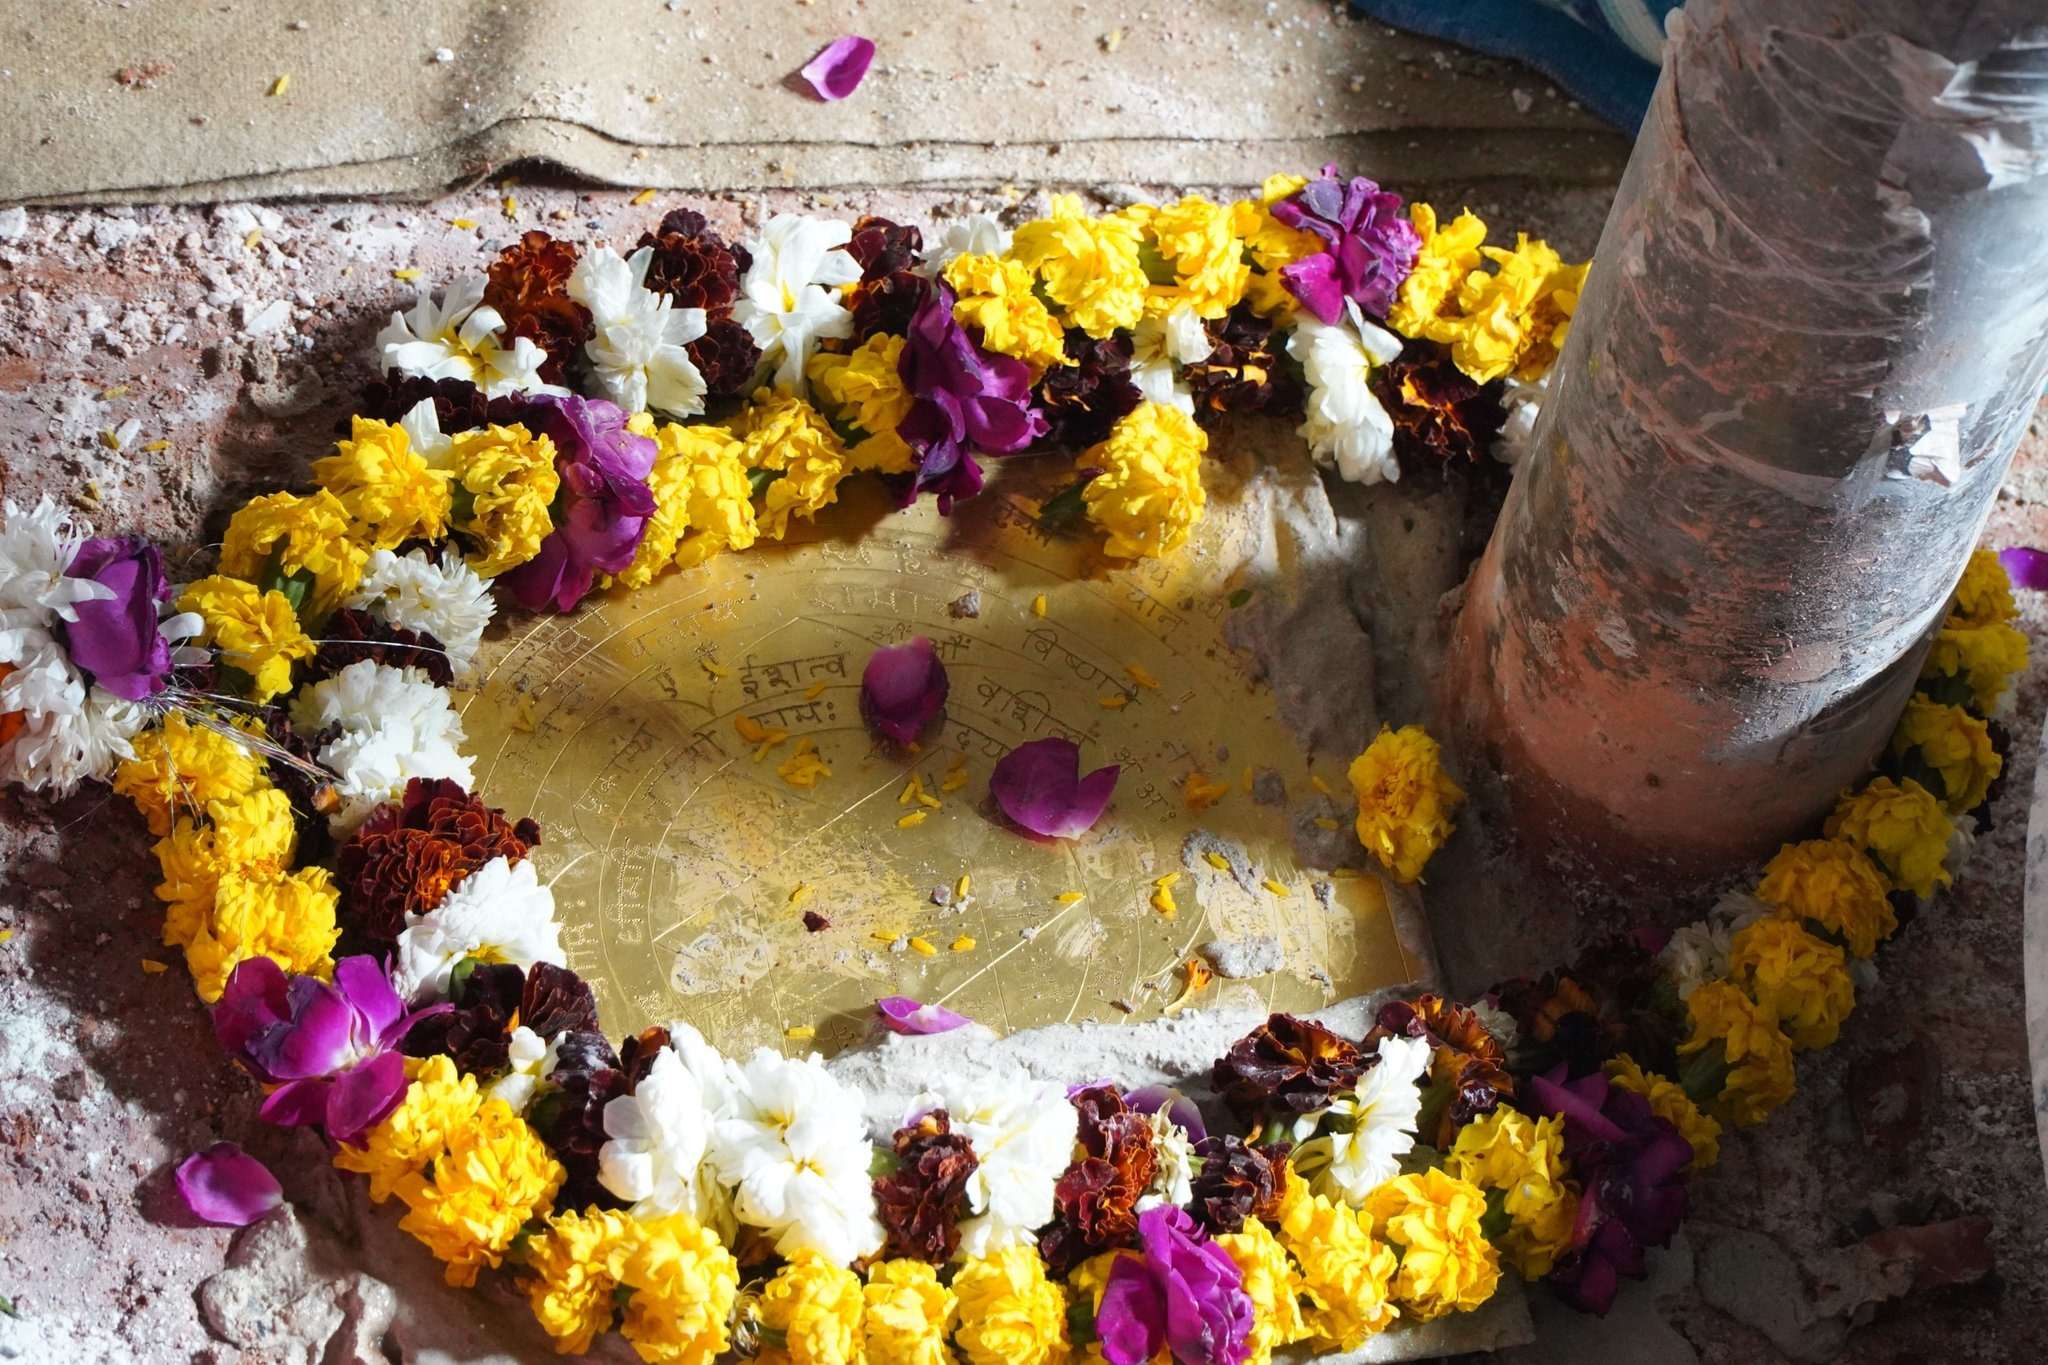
(675, 849)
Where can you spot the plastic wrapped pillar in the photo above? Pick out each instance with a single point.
(1813, 334)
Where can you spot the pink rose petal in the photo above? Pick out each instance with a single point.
(837, 71)
(902, 688)
(227, 1187)
(2027, 568)
(901, 1014)
(1039, 787)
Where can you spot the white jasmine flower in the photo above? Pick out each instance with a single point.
(1523, 401)
(1346, 425)
(395, 726)
(445, 598)
(784, 303)
(978, 234)
(1962, 839)
(1359, 1140)
(1499, 1023)
(457, 338)
(1023, 1133)
(1173, 1178)
(501, 912)
(532, 1060)
(422, 427)
(1158, 346)
(658, 1137)
(68, 732)
(713, 1072)
(37, 545)
(795, 1147)
(1698, 952)
(636, 347)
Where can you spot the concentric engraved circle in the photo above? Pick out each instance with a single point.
(683, 861)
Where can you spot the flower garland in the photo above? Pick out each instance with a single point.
(378, 952)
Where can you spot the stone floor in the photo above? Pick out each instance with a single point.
(1894, 1212)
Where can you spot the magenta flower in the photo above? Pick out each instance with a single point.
(602, 510)
(227, 1187)
(964, 400)
(331, 1050)
(2027, 568)
(1150, 1099)
(837, 70)
(1039, 786)
(1369, 245)
(1631, 1165)
(116, 639)
(902, 688)
(1185, 1294)
(901, 1014)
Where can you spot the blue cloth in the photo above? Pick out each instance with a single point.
(1603, 52)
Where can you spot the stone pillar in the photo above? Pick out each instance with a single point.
(1816, 326)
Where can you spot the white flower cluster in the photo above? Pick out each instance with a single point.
(395, 725)
(443, 597)
(636, 350)
(1023, 1134)
(502, 912)
(1346, 425)
(1698, 953)
(1353, 1147)
(458, 337)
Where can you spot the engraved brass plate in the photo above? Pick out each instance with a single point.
(675, 849)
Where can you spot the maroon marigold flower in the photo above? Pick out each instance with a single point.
(1468, 1073)
(922, 1201)
(1087, 396)
(887, 304)
(1441, 416)
(1095, 1202)
(352, 635)
(1287, 1064)
(694, 265)
(491, 1001)
(727, 358)
(408, 855)
(1244, 370)
(458, 404)
(1238, 1181)
(569, 1116)
(529, 286)
(881, 247)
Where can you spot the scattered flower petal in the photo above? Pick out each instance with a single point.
(227, 1187)
(837, 71)
(902, 688)
(901, 1014)
(1038, 785)
(2028, 568)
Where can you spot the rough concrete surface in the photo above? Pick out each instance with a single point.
(238, 333)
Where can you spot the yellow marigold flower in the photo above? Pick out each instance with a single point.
(505, 481)
(181, 765)
(1523, 1158)
(1513, 320)
(494, 1176)
(1346, 1272)
(1902, 826)
(1755, 1050)
(781, 432)
(1271, 244)
(1984, 597)
(288, 917)
(910, 1315)
(1010, 1314)
(1406, 801)
(253, 833)
(256, 632)
(1447, 1265)
(1668, 1101)
(439, 1101)
(1198, 243)
(815, 1305)
(1800, 980)
(702, 500)
(392, 494)
(993, 294)
(1976, 663)
(1089, 266)
(863, 390)
(684, 1284)
(1273, 1287)
(1149, 494)
(287, 535)
(1835, 884)
(1448, 255)
(575, 1267)
(1955, 745)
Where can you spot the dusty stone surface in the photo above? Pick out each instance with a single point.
(242, 355)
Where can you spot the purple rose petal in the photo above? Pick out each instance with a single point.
(836, 72)
(115, 639)
(227, 1187)
(2027, 568)
(601, 511)
(1369, 246)
(1131, 1319)
(901, 1014)
(1039, 787)
(902, 688)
